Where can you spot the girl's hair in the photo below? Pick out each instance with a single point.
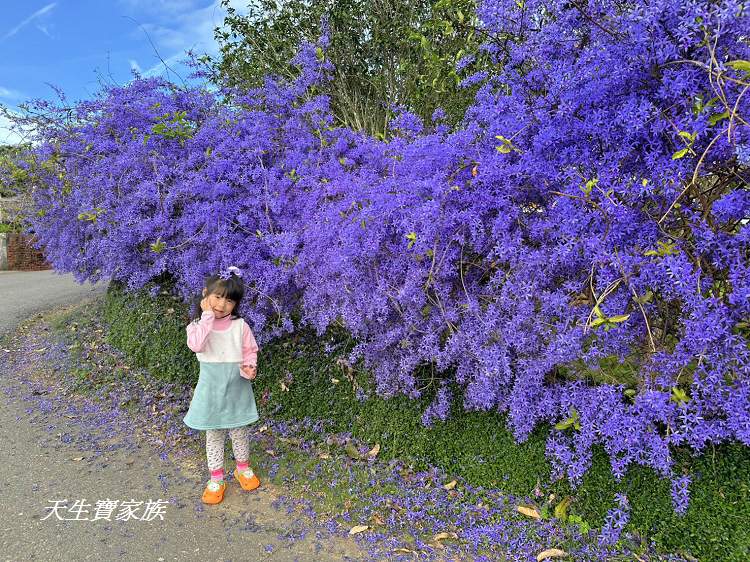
(231, 288)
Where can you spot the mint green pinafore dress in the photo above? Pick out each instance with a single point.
(222, 399)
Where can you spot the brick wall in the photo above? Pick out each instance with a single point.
(22, 256)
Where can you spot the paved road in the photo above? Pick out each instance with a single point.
(22, 293)
(55, 447)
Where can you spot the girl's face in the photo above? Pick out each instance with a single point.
(221, 306)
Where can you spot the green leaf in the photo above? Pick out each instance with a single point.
(743, 65)
(647, 296)
(687, 136)
(590, 185)
(716, 117)
(412, 237)
(664, 249)
(680, 153)
(679, 396)
(572, 421)
(506, 147)
(667, 248)
(158, 246)
(619, 318)
(598, 322)
(561, 509)
(582, 524)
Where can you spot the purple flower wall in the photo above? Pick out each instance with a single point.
(593, 205)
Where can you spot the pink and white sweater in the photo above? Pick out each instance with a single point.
(197, 333)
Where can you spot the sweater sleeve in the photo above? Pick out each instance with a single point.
(197, 332)
(249, 347)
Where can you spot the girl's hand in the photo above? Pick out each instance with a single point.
(248, 372)
(205, 305)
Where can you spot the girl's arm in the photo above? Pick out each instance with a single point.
(197, 332)
(249, 347)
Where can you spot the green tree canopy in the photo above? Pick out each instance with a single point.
(13, 177)
(385, 52)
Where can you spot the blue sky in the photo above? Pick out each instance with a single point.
(77, 45)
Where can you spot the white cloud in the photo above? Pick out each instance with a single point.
(45, 29)
(135, 66)
(173, 27)
(39, 13)
(182, 25)
(9, 133)
(161, 7)
(166, 65)
(8, 94)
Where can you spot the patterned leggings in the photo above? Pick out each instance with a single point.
(215, 439)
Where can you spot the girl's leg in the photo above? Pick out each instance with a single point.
(241, 446)
(215, 439)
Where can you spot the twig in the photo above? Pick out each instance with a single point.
(612, 286)
(637, 300)
(158, 55)
(695, 175)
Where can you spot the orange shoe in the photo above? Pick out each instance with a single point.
(247, 479)
(214, 492)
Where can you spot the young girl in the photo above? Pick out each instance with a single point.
(223, 399)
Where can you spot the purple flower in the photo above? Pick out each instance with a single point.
(680, 495)
(616, 520)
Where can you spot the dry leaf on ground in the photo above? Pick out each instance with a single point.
(528, 511)
(550, 553)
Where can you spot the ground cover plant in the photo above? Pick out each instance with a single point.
(590, 211)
